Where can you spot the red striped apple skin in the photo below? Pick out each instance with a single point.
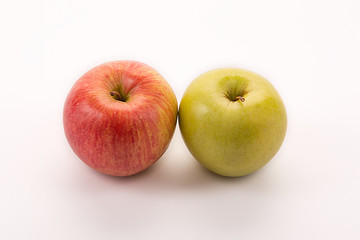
(120, 138)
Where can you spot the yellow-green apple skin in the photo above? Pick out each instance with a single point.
(233, 121)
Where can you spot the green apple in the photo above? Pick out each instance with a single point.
(233, 121)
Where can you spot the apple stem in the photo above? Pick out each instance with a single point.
(242, 99)
(116, 95)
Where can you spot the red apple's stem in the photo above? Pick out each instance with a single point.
(116, 95)
(240, 98)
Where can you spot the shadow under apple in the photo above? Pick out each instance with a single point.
(173, 175)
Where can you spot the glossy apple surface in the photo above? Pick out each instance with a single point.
(233, 121)
(119, 117)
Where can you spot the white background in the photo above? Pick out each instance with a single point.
(309, 50)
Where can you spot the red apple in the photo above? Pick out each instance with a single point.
(119, 117)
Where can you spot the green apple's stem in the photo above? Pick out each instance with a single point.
(242, 99)
(116, 95)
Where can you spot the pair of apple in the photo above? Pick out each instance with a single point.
(120, 116)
